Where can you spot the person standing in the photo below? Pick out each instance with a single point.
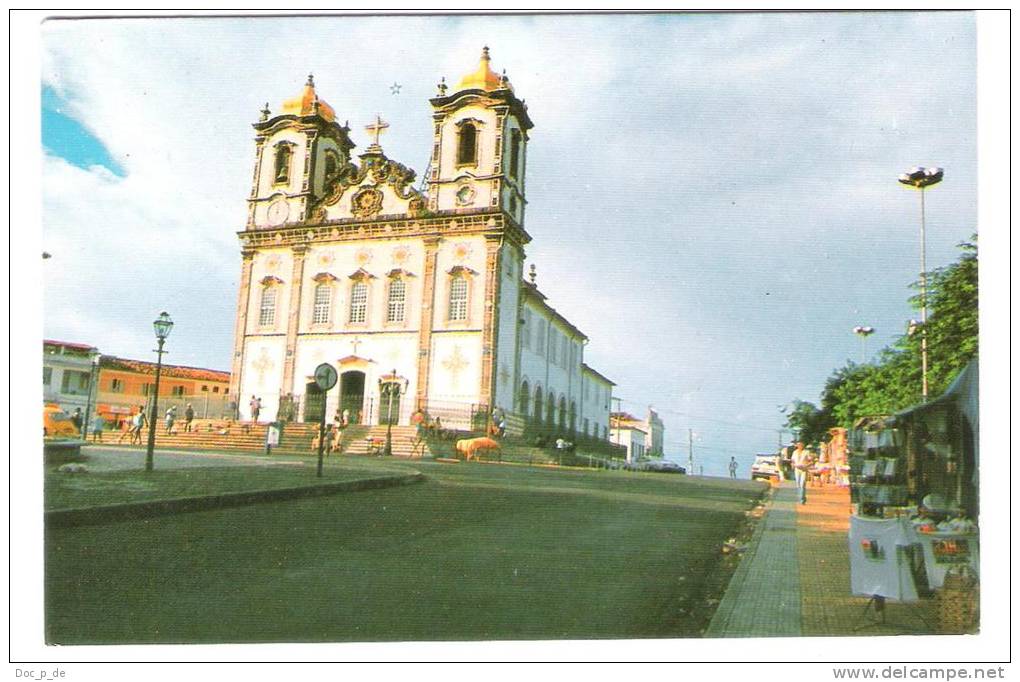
(98, 424)
(138, 422)
(256, 406)
(733, 467)
(76, 419)
(801, 461)
(189, 416)
(171, 415)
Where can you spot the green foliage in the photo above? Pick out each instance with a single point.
(893, 382)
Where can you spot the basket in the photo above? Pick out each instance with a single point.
(957, 602)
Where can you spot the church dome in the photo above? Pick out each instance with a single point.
(308, 103)
(483, 78)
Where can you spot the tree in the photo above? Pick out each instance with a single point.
(893, 382)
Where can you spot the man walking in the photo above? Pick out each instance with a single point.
(801, 463)
(733, 467)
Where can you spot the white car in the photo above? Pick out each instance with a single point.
(765, 466)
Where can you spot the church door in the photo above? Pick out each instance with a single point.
(352, 395)
(315, 403)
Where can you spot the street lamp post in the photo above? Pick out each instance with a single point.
(920, 178)
(864, 333)
(88, 399)
(162, 326)
(389, 387)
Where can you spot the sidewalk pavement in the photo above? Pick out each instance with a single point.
(794, 577)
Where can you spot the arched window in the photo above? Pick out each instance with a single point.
(396, 299)
(538, 403)
(515, 152)
(321, 303)
(550, 409)
(332, 165)
(573, 416)
(563, 412)
(458, 297)
(282, 169)
(524, 398)
(267, 306)
(467, 145)
(359, 303)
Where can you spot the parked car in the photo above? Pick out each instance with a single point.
(765, 466)
(57, 423)
(666, 467)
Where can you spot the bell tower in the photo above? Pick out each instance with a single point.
(296, 152)
(480, 136)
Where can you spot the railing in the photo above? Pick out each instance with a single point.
(206, 406)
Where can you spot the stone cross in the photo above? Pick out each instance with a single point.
(377, 128)
(354, 344)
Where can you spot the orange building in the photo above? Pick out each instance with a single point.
(124, 385)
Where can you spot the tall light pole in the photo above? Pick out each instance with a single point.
(162, 326)
(88, 399)
(864, 333)
(389, 387)
(921, 178)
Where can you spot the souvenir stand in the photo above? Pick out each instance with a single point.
(914, 488)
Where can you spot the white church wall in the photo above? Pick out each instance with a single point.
(455, 374)
(270, 263)
(508, 329)
(378, 259)
(262, 374)
(469, 252)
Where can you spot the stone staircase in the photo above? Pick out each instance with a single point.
(371, 440)
(298, 439)
(219, 435)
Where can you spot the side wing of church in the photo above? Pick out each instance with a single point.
(344, 261)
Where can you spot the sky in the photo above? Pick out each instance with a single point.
(712, 197)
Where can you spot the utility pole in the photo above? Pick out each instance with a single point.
(690, 451)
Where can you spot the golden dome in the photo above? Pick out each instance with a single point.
(308, 103)
(483, 78)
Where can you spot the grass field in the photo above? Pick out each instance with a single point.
(476, 552)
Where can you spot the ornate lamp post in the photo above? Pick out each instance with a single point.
(390, 387)
(864, 333)
(162, 326)
(88, 399)
(920, 178)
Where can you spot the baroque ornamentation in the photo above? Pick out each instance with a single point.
(366, 203)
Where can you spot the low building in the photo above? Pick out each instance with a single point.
(124, 385)
(628, 431)
(67, 374)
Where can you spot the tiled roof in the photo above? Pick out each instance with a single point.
(66, 344)
(179, 371)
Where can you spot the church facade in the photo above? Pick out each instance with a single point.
(345, 262)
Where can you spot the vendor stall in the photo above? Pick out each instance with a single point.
(914, 487)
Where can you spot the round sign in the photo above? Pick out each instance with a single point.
(325, 376)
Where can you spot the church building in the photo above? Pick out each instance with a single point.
(346, 262)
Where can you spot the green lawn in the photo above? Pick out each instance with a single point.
(71, 491)
(476, 552)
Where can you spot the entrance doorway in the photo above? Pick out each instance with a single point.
(315, 403)
(352, 395)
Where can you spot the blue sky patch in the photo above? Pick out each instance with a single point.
(67, 138)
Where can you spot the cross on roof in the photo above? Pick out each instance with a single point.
(377, 128)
